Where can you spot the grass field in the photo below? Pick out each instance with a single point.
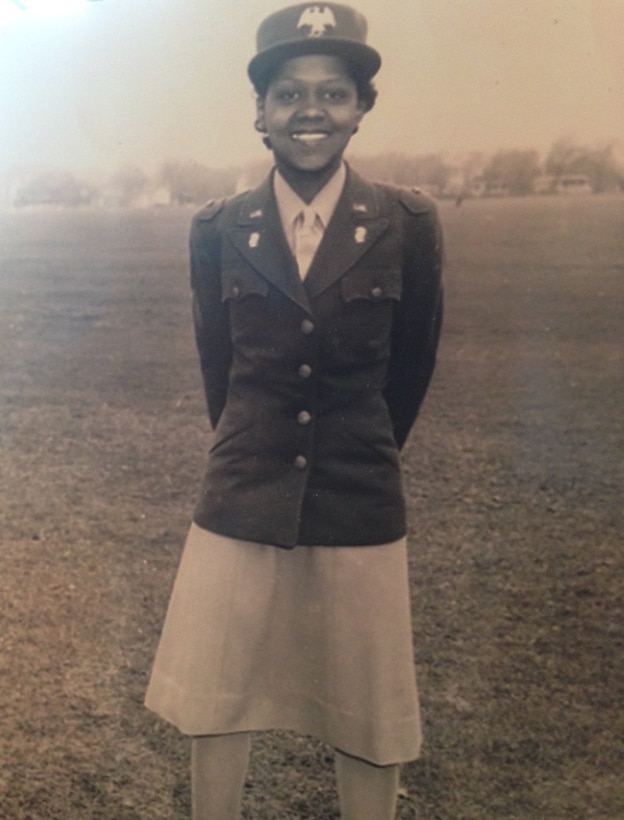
(514, 474)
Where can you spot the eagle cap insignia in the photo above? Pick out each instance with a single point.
(319, 19)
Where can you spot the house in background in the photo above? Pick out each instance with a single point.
(574, 185)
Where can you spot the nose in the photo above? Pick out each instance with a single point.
(310, 108)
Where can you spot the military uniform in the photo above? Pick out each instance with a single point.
(313, 386)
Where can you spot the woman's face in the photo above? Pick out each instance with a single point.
(310, 111)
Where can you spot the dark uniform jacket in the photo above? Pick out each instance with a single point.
(313, 386)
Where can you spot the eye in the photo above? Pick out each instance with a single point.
(336, 94)
(286, 95)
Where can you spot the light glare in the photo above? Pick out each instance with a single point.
(14, 10)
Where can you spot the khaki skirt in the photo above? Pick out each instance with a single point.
(316, 640)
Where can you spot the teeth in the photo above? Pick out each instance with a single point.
(310, 137)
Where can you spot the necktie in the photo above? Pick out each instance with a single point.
(307, 239)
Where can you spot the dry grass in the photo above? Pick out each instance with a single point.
(514, 475)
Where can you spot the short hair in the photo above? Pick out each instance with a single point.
(365, 87)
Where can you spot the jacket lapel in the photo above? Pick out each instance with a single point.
(259, 238)
(356, 224)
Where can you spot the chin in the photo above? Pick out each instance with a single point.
(312, 165)
(315, 167)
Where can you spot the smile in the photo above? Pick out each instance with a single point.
(309, 136)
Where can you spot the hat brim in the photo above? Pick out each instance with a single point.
(265, 63)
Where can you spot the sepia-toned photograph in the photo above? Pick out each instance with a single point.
(311, 401)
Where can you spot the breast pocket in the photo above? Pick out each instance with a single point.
(250, 305)
(362, 331)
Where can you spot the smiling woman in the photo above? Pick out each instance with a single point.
(309, 113)
(317, 305)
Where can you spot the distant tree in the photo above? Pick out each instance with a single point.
(562, 157)
(189, 182)
(598, 164)
(515, 170)
(472, 165)
(56, 188)
(427, 170)
(128, 184)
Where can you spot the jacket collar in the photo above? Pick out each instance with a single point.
(357, 223)
(290, 205)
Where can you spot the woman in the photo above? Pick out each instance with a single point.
(317, 308)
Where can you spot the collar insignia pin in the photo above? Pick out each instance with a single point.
(319, 19)
(255, 214)
(254, 238)
(360, 207)
(360, 234)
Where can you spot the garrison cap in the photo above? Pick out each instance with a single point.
(313, 28)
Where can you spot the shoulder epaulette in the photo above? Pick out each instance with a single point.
(414, 200)
(210, 210)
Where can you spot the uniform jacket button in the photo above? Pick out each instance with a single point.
(301, 462)
(304, 417)
(307, 326)
(236, 291)
(376, 292)
(305, 371)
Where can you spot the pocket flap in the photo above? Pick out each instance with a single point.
(371, 284)
(237, 283)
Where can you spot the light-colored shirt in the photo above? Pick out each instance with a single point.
(304, 225)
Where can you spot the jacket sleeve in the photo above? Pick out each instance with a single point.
(210, 313)
(418, 316)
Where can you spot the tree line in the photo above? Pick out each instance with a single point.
(187, 182)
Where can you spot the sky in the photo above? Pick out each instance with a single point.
(136, 82)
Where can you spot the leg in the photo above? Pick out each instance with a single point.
(366, 791)
(218, 769)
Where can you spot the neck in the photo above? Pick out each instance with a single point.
(307, 184)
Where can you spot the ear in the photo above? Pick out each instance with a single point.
(260, 123)
(361, 109)
(358, 119)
